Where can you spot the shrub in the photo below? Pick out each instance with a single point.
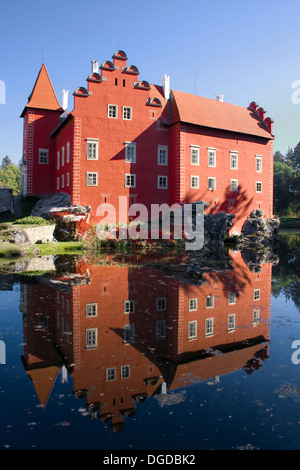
(32, 220)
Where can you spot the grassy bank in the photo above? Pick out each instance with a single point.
(288, 224)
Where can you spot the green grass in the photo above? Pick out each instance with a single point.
(59, 248)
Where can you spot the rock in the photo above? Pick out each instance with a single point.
(71, 222)
(44, 206)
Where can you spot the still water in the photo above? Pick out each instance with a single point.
(123, 357)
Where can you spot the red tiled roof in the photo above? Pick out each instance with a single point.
(43, 95)
(215, 114)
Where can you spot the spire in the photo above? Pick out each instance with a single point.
(43, 95)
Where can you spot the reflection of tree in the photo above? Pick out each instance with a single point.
(286, 274)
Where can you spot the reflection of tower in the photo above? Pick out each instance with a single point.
(133, 333)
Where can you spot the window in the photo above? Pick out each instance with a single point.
(212, 184)
(194, 182)
(58, 160)
(63, 156)
(68, 179)
(193, 304)
(91, 310)
(130, 152)
(91, 338)
(255, 317)
(231, 298)
(233, 160)
(212, 157)
(162, 157)
(63, 181)
(125, 372)
(130, 181)
(129, 332)
(256, 294)
(194, 155)
(57, 182)
(112, 111)
(258, 186)
(210, 301)
(209, 326)
(231, 322)
(234, 185)
(43, 156)
(258, 164)
(92, 149)
(68, 152)
(161, 329)
(92, 179)
(162, 182)
(161, 303)
(129, 306)
(127, 113)
(192, 329)
(110, 374)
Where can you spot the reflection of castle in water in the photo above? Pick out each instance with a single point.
(128, 334)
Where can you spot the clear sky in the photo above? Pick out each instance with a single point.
(244, 50)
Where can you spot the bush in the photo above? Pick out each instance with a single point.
(32, 220)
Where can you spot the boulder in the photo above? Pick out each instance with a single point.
(44, 206)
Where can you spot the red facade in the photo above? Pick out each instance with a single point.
(126, 137)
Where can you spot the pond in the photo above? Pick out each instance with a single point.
(125, 356)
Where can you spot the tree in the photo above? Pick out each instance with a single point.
(6, 161)
(279, 157)
(10, 178)
(284, 179)
(295, 158)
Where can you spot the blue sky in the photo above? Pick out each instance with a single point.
(244, 50)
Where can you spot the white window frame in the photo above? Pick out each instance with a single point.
(256, 186)
(125, 372)
(194, 182)
(57, 183)
(160, 329)
(234, 160)
(195, 155)
(193, 304)
(161, 178)
(58, 160)
(62, 181)
(232, 301)
(68, 152)
(234, 185)
(255, 321)
(110, 374)
(63, 155)
(130, 152)
(231, 322)
(211, 178)
(162, 155)
(210, 304)
(92, 149)
(256, 294)
(258, 160)
(91, 337)
(91, 174)
(127, 113)
(129, 306)
(129, 334)
(91, 310)
(212, 154)
(209, 326)
(43, 155)
(111, 110)
(132, 182)
(192, 329)
(161, 304)
(68, 179)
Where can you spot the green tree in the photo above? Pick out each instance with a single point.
(279, 157)
(6, 161)
(284, 179)
(10, 178)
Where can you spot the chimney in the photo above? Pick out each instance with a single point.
(220, 97)
(65, 97)
(166, 86)
(95, 66)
